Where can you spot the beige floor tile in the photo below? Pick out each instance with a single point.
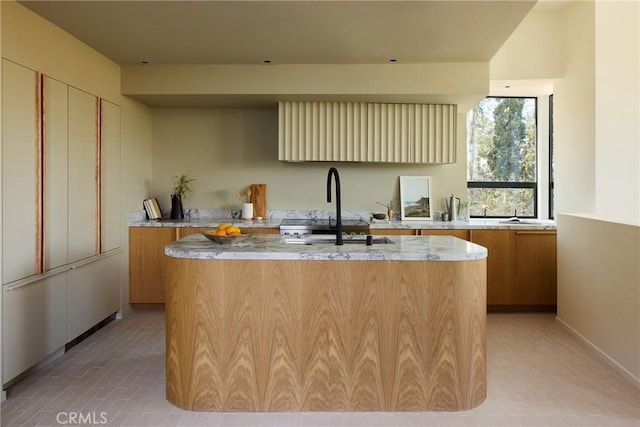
(538, 375)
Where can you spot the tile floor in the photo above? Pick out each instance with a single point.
(538, 375)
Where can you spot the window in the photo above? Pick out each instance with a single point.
(552, 213)
(501, 158)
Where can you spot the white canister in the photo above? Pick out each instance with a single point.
(247, 211)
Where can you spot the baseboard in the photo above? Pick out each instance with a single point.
(147, 306)
(521, 308)
(50, 358)
(628, 376)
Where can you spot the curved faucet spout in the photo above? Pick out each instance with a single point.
(334, 172)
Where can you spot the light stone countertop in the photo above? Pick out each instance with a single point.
(472, 224)
(212, 218)
(271, 247)
(207, 223)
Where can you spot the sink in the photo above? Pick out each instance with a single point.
(313, 239)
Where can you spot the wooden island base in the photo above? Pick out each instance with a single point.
(261, 335)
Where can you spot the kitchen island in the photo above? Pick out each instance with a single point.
(268, 326)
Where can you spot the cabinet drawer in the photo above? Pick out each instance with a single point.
(34, 323)
(94, 293)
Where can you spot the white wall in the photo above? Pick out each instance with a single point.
(232, 148)
(36, 43)
(574, 114)
(599, 288)
(534, 50)
(598, 270)
(617, 125)
(551, 51)
(597, 164)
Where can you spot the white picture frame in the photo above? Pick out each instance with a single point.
(415, 198)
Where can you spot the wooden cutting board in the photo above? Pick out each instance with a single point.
(259, 200)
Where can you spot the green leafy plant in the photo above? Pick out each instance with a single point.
(181, 186)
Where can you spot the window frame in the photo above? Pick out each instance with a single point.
(534, 185)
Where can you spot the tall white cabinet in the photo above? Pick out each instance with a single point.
(19, 175)
(61, 265)
(110, 182)
(82, 172)
(55, 174)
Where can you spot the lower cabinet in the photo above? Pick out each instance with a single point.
(394, 231)
(94, 293)
(500, 264)
(521, 265)
(521, 269)
(34, 323)
(40, 316)
(461, 234)
(536, 268)
(146, 250)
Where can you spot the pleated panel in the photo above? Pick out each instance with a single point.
(373, 132)
(370, 132)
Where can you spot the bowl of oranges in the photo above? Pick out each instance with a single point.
(226, 234)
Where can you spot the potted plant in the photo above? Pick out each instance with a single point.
(181, 189)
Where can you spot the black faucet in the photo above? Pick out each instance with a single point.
(334, 172)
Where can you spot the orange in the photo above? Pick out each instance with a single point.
(220, 233)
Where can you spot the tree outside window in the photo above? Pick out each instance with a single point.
(501, 157)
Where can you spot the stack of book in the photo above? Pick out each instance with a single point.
(152, 208)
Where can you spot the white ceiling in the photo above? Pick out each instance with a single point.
(181, 32)
(288, 32)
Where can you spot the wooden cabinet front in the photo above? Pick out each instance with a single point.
(500, 264)
(461, 234)
(394, 231)
(536, 269)
(146, 251)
